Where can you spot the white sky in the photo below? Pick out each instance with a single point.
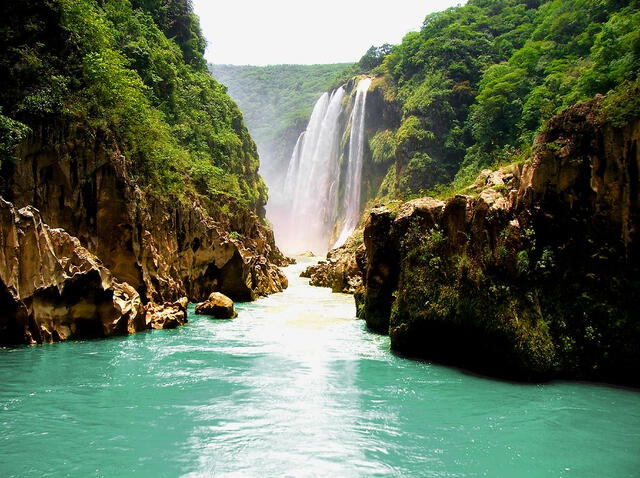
(267, 32)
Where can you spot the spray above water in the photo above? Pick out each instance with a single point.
(321, 200)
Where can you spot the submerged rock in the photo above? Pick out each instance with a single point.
(218, 305)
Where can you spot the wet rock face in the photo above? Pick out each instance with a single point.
(166, 316)
(217, 305)
(340, 271)
(531, 274)
(165, 249)
(381, 272)
(52, 288)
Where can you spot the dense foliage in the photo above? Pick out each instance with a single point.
(134, 70)
(478, 82)
(276, 102)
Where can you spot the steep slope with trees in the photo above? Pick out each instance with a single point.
(113, 129)
(276, 102)
(477, 83)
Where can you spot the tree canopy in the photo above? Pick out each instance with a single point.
(479, 81)
(135, 70)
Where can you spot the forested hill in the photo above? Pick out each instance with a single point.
(276, 102)
(478, 82)
(133, 69)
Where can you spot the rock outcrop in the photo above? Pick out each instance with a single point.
(52, 288)
(217, 305)
(531, 273)
(341, 271)
(166, 316)
(81, 182)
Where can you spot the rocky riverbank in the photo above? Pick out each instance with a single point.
(86, 248)
(531, 273)
(342, 269)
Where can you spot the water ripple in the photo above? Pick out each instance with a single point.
(295, 386)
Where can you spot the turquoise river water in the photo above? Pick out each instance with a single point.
(295, 386)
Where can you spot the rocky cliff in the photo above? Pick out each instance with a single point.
(51, 288)
(531, 273)
(164, 249)
(113, 131)
(153, 250)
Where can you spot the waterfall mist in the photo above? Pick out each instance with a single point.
(320, 198)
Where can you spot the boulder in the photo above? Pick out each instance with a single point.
(218, 305)
(166, 316)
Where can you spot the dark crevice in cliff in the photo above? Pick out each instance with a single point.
(13, 317)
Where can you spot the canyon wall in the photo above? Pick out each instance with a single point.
(531, 273)
(156, 250)
(52, 288)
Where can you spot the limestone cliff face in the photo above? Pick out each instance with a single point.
(80, 181)
(531, 274)
(52, 288)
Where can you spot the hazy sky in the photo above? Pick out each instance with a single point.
(255, 32)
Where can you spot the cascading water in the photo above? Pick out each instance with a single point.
(313, 169)
(313, 183)
(354, 168)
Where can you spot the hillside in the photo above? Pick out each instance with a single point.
(276, 102)
(112, 129)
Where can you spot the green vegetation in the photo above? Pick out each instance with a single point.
(134, 72)
(276, 102)
(526, 304)
(478, 82)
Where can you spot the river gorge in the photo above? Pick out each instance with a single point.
(295, 386)
(423, 263)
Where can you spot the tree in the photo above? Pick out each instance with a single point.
(374, 56)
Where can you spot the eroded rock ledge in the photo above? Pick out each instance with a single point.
(165, 249)
(52, 288)
(154, 250)
(531, 274)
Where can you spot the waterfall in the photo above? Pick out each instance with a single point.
(318, 168)
(313, 183)
(354, 166)
(294, 164)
